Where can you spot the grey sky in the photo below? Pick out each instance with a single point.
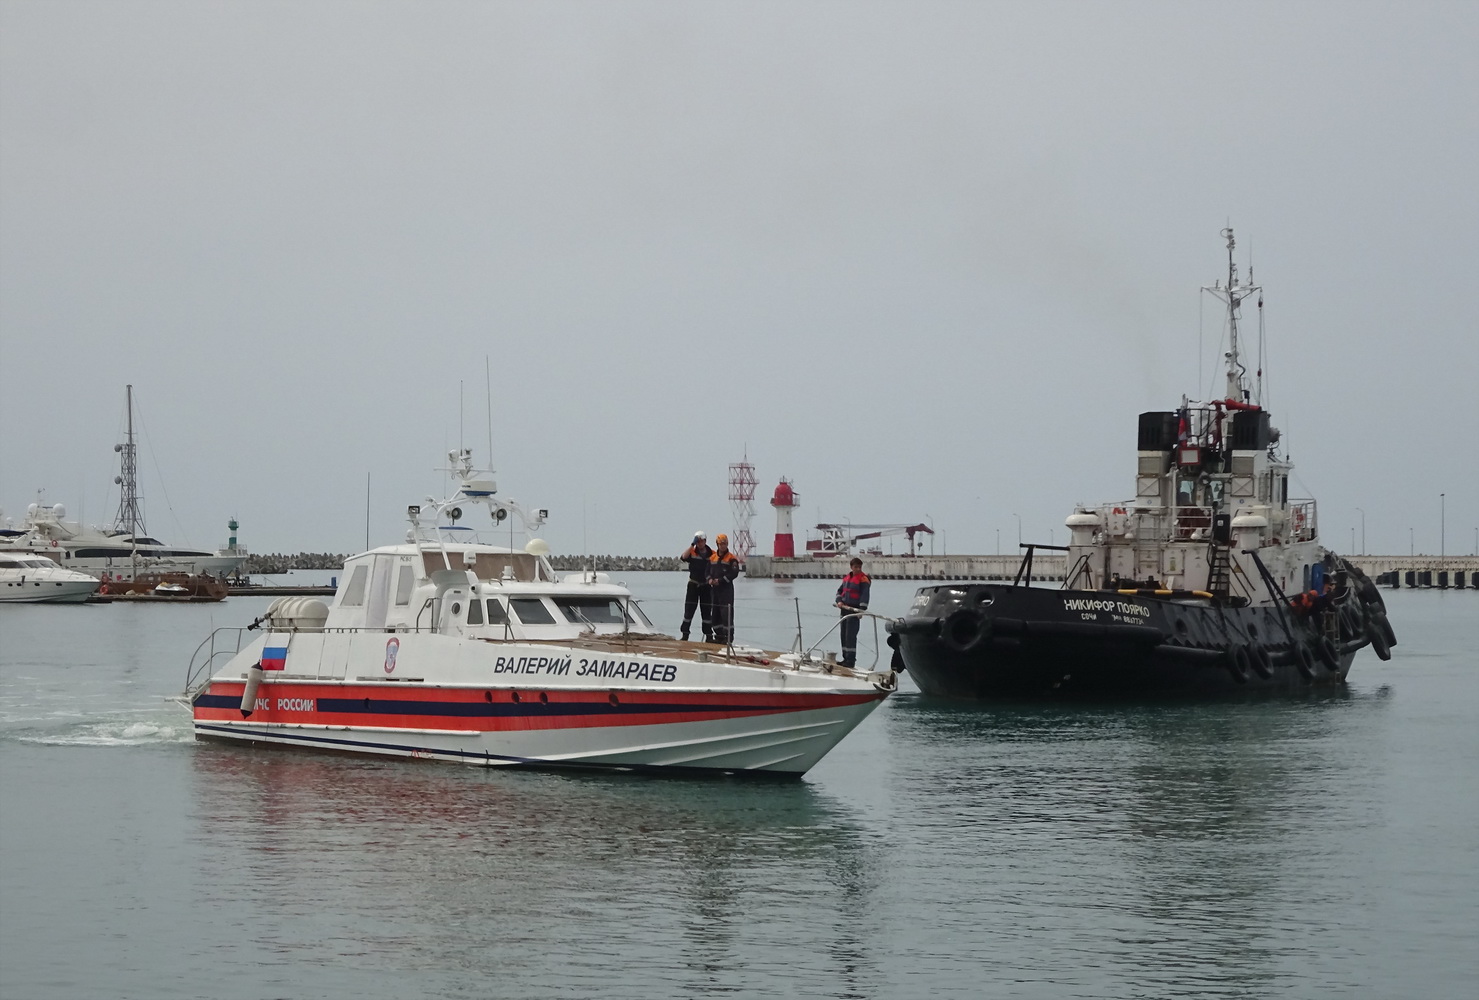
(922, 259)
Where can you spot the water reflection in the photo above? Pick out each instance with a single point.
(557, 881)
(1189, 822)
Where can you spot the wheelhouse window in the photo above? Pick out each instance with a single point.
(354, 593)
(475, 612)
(496, 614)
(593, 610)
(531, 611)
(404, 581)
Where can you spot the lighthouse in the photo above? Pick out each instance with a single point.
(783, 501)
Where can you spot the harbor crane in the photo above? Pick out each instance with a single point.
(840, 539)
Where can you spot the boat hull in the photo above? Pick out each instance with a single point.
(525, 705)
(1034, 643)
(46, 591)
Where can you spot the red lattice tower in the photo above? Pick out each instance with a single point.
(742, 483)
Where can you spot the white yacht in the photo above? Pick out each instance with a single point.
(37, 580)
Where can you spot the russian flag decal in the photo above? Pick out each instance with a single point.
(275, 654)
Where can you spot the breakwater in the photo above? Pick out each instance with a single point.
(616, 564)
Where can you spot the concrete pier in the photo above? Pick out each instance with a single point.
(1046, 567)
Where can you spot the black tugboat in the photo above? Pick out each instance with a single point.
(1211, 581)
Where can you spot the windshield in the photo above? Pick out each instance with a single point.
(594, 610)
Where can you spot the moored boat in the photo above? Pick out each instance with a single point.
(1211, 581)
(122, 550)
(31, 579)
(448, 648)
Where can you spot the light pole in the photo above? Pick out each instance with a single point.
(1353, 538)
(1411, 549)
(998, 541)
(1019, 529)
(1442, 510)
(1363, 531)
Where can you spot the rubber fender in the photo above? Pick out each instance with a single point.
(249, 693)
(1380, 618)
(1304, 660)
(1237, 663)
(1189, 653)
(893, 641)
(1261, 661)
(1327, 653)
(912, 626)
(1378, 640)
(963, 629)
(896, 663)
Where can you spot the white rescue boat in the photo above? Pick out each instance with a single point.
(448, 648)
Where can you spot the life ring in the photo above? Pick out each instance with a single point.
(103, 589)
(1298, 519)
(53, 543)
(963, 630)
(1304, 661)
(1261, 661)
(1378, 640)
(1237, 663)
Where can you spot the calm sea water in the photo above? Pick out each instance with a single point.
(1325, 846)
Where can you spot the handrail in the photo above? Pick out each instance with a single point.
(194, 672)
(806, 654)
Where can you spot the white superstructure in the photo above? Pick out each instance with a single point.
(1206, 473)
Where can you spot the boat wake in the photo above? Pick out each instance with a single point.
(111, 733)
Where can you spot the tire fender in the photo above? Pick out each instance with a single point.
(964, 629)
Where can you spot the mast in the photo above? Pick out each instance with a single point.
(1233, 295)
(128, 499)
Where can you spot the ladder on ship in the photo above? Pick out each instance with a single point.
(1219, 560)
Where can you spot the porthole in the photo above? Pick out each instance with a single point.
(516, 698)
(544, 698)
(456, 608)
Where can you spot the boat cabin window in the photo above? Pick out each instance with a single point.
(354, 594)
(592, 610)
(405, 579)
(496, 614)
(475, 612)
(519, 566)
(531, 611)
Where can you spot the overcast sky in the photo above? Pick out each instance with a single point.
(927, 260)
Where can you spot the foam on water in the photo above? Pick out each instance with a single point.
(111, 732)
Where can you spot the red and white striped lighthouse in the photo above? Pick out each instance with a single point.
(783, 501)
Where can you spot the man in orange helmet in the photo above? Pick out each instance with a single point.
(724, 566)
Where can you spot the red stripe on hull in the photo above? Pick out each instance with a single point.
(716, 706)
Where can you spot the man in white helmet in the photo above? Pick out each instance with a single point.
(699, 595)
